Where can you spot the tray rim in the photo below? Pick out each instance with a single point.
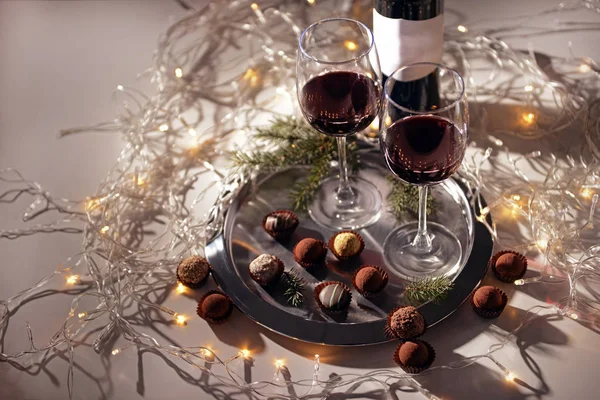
(218, 254)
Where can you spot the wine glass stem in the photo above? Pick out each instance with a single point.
(423, 240)
(345, 195)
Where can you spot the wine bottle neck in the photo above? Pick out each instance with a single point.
(413, 10)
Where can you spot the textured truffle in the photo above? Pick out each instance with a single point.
(407, 322)
(346, 244)
(215, 306)
(192, 271)
(413, 353)
(488, 298)
(369, 279)
(510, 265)
(335, 297)
(310, 251)
(266, 269)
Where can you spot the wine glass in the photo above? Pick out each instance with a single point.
(338, 80)
(423, 138)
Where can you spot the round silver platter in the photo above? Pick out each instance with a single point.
(243, 239)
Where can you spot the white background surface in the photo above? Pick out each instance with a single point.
(59, 62)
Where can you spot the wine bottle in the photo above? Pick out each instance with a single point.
(406, 32)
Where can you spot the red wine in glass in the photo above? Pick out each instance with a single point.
(423, 149)
(339, 103)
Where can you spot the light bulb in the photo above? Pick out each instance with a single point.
(73, 279)
(115, 352)
(181, 288)
(586, 192)
(245, 353)
(350, 45)
(584, 68)
(279, 363)
(462, 28)
(178, 72)
(163, 128)
(510, 377)
(81, 315)
(528, 118)
(180, 319)
(528, 88)
(104, 229)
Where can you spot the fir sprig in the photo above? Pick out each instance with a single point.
(422, 290)
(295, 287)
(298, 144)
(405, 198)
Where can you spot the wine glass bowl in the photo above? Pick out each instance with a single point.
(338, 82)
(423, 138)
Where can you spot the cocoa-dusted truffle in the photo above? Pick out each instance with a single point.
(488, 301)
(280, 224)
(406, 323)
(310, 252)
(215, 307)
(369, 280)
(266, 269)
(193, 271)
(346, 244)
(508, 266)
(414, 356)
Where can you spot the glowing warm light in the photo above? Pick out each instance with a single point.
(251, 76)
(586, 192)
(462, 28)
(370, 75)
(180, 319)
(520, 282)
(528, 88)
(279, 363)
(120, 87)
(178, 72)
(192, 132)
(573, 315)
(245, 353)
(181, 288)
(73, 279)
(104, 229)
(350, 45)
(542, 244)
(388, 120)
(310, 1)
(375, 124)
(81, 315)
(163, 128)
(516, 197)
(583, 68)
(116, 351)
(528, 118)
(510, 377)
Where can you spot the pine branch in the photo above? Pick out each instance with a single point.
(295, 287)
(422, 290)
(303, 193)
(405, 198)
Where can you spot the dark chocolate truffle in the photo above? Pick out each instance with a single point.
(406, 322)
(369, 279)
(266, 269)
(509, 265)
(214, 307)
(309, 252)
(488, 298)
(193, 271)
(280, 224)
(335, 297)
(413, 353)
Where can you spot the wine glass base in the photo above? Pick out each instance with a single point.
(362, 211)
(410, 262)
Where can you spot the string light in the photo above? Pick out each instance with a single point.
(178, 72)
(245, 353)
(462, 28)
(81, 315)
(279, 363)
(350, 45)
(192, 132)
(510, 377)
(180, 319)
(73, 279)
(528, 118)
(584, 68)
(519, 282)
(573, 315)
(181, 288)
(254, 6)
(516, 197)
(120, 88)
(528, 88)
(163, 127)
(310, 1)
(105, 229)
(542, 244)
(115, 352)
(586, 192)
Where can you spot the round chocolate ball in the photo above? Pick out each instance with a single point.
(346, 244)
(510, 265)
(265, 269)
(309, 251)
(215, 305)
(369, 279)
(335, 297)
(413, 353)
(488, 298)
(192, 271)
(407, 322)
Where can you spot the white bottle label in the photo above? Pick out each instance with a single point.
(400, 42)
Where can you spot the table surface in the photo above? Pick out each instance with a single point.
(60, 62)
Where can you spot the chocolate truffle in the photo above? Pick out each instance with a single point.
(193, 271)
(509, 266)
(406, 322)
(266, 269)
(334, 296)
(346, 244)
(280, 224)
(488, 301)
(370, 280)
(214, 307)
(309, 252)
(414, 356)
